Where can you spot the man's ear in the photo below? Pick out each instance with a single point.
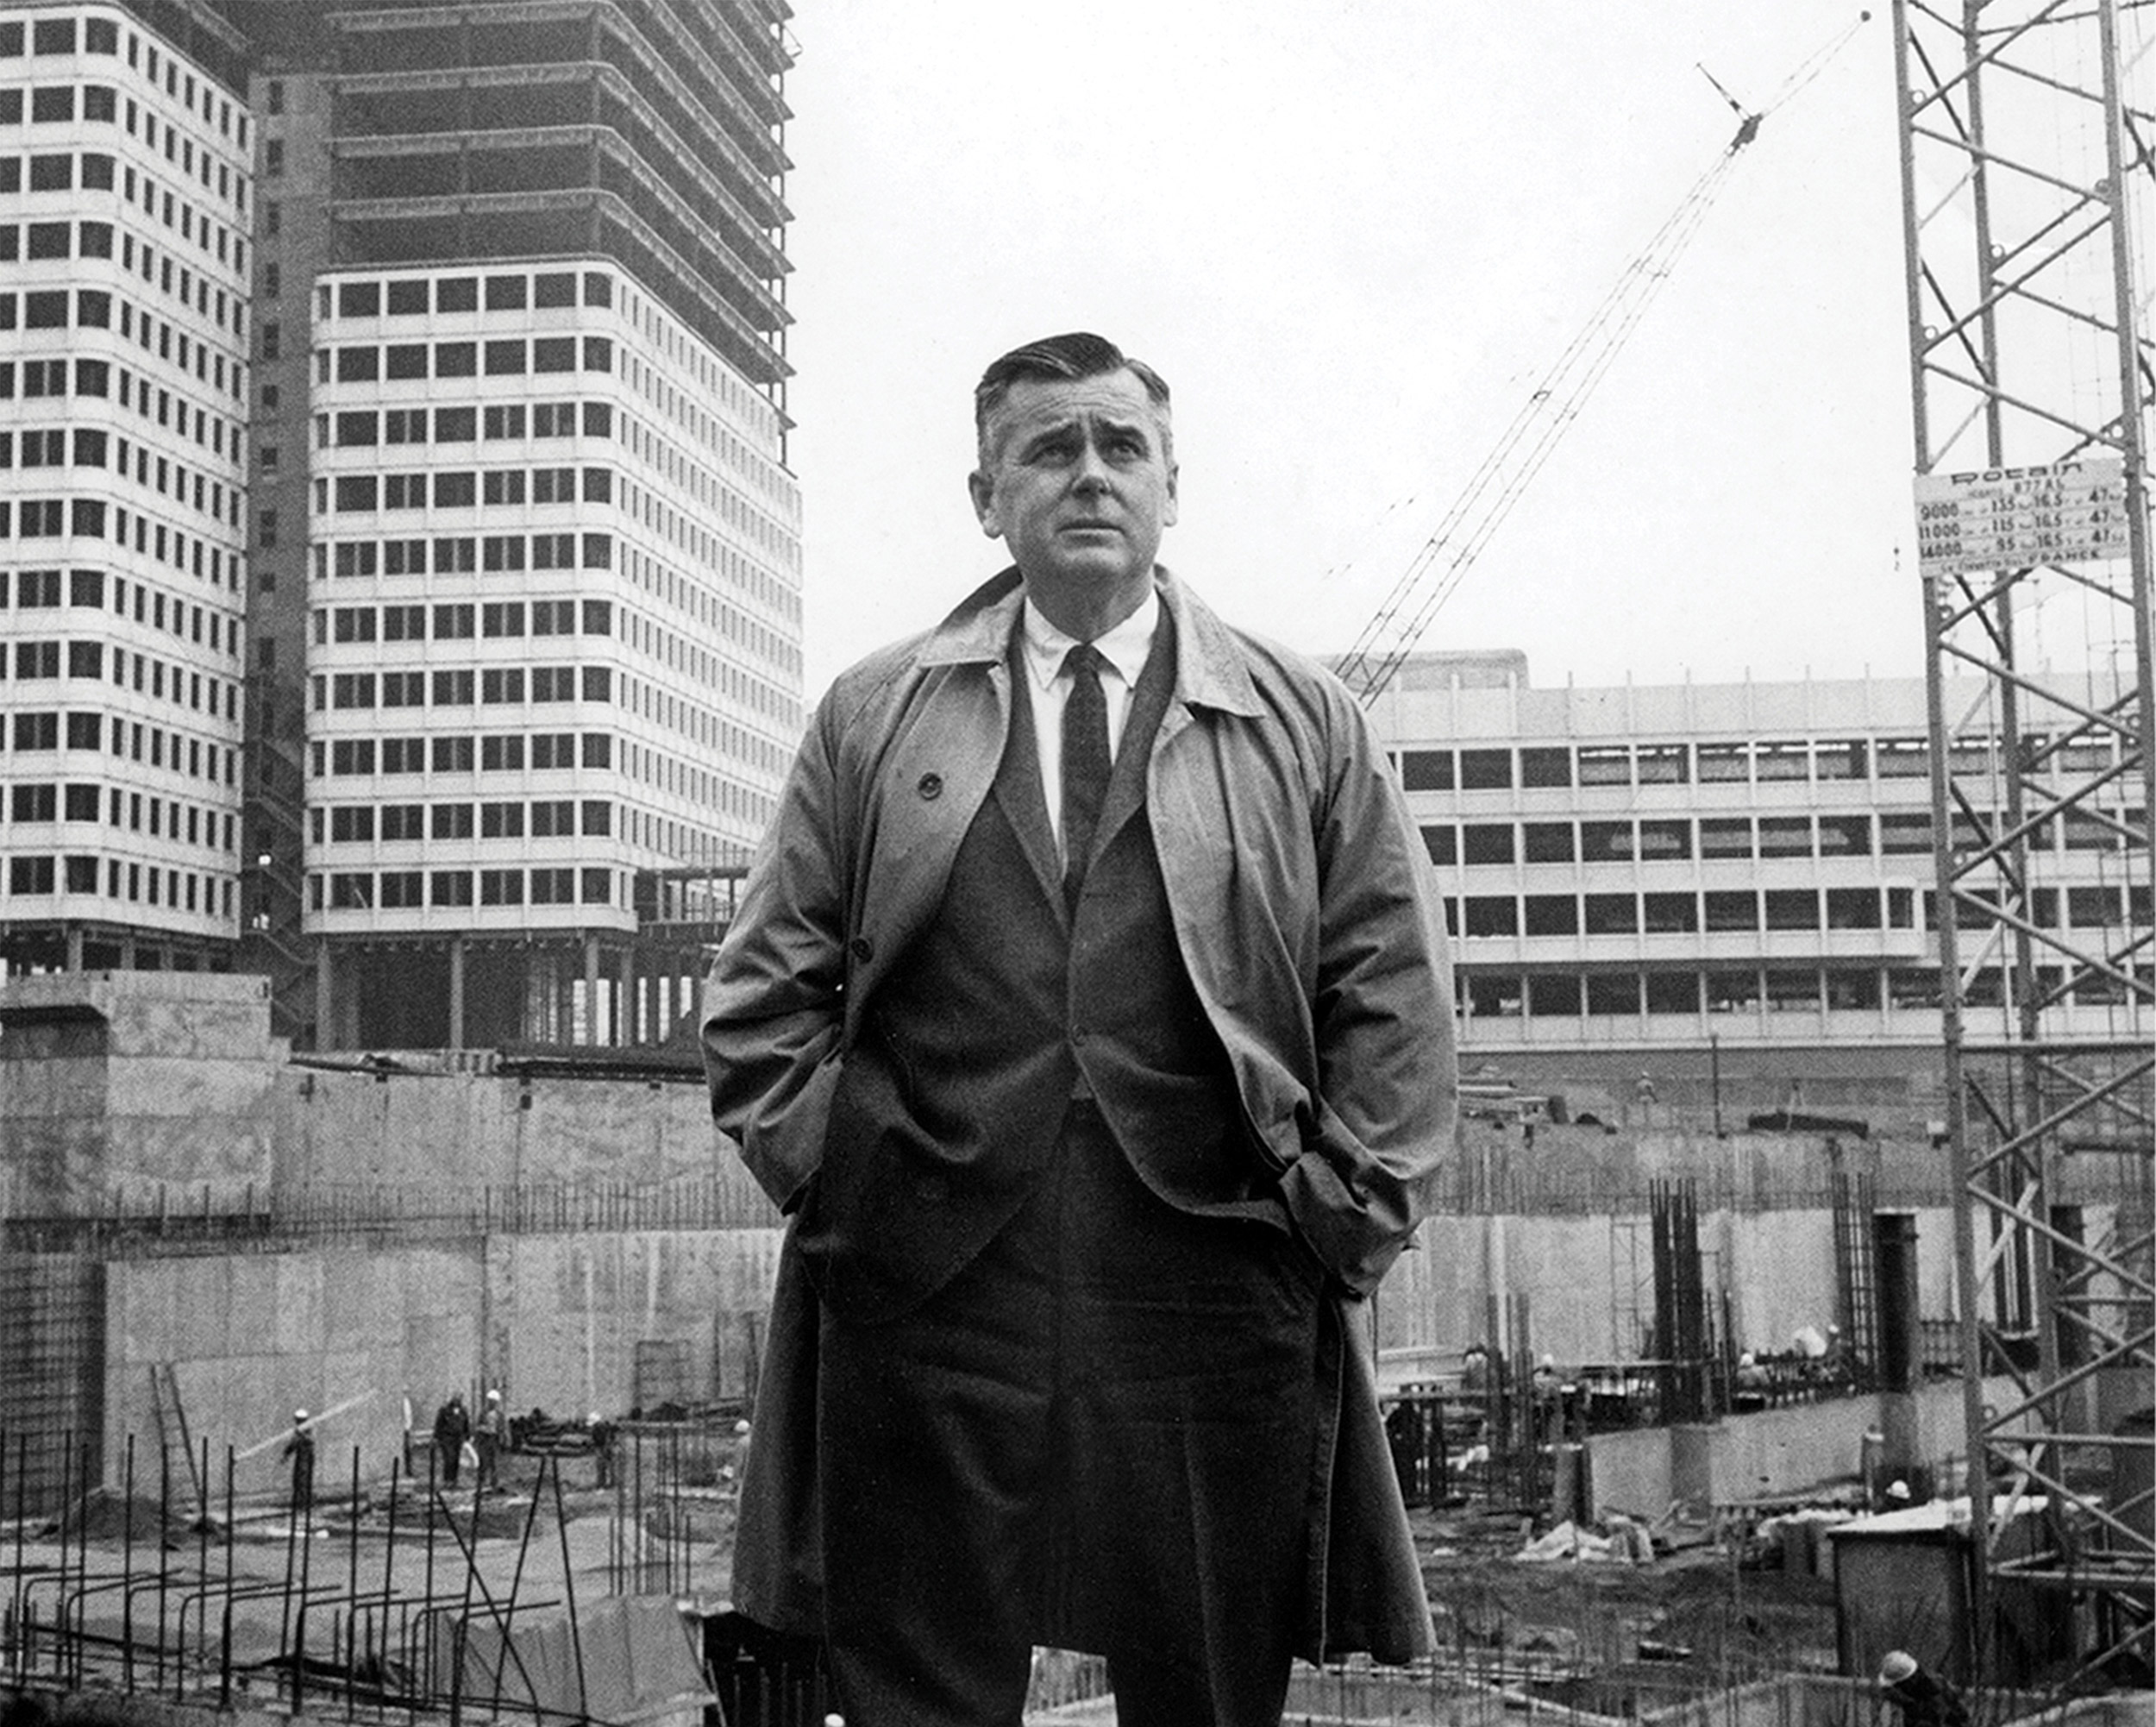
(981, 489)
(1168, 514)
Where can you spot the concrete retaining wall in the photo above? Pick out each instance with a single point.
(1589, 1280)
(1771, 1452)
(251, 1337)
(116, 1086)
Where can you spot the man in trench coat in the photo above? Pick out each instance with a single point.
(1088, 1011)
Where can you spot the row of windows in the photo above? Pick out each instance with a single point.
(34, 661)
(47, 801)
(1748, 909)
(92, 447)
(1654, 840)
(395, 823)
(656, 512)
(51, 104)
(682, 653)
(41, 589)
(170, 275)
(455, 622)
(661, 579)
(686, 475)
(464, 753)
(85, 518)
(100, 105)
(1623, 995)
(168, 341)
(409, 889)
(1674, 839)
(508, 356)
(674, 777)
(462, 488)
(44, 241)
(91, 309)
(466, 554)
(415, 295)
(1767, 761)
(40, 729)
(56, 36)
(493, 686)
(52, 378)
(1716, 910)
(38, 873)
(663, 385)
(99, 171)
(364, 429)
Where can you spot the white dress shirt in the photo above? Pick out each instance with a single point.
(1125, 648)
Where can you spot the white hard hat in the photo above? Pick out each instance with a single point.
(1548, 1361)
(493, 1397)
(1899, 1665)
(1897, 1490)
(299, 1414)
(1746, 1359)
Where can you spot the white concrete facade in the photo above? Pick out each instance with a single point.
(124, 201)
(1656, 867)
(555, 602)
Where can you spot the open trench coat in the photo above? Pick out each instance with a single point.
(1305, 913)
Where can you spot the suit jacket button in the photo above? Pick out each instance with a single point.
(931, 787)
(862, 949)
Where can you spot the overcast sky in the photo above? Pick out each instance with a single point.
(1353, 235)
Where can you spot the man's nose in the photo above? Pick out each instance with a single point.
(1092, 473)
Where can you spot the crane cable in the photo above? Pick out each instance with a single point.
(1437, 569)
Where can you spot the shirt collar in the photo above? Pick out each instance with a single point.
(1125, 647)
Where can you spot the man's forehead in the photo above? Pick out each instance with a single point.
(1035, 404)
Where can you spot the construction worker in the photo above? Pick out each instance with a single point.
(299, 1449)
(1924, 1698)
(452, 1427)
(603, 1437)
(1474, 1370)
(488, 1438)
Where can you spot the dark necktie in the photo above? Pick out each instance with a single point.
(1084, 762)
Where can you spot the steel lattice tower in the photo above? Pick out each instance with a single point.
(2028, 184)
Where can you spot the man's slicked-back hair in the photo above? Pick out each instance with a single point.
(1079, 354)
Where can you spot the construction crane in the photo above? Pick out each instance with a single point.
(1445, 558)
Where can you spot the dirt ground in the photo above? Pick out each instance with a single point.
(1614, 1639)
(1601, 1635)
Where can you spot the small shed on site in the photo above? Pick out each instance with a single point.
(1905, 1580)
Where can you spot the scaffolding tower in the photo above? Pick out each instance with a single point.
(2027, 182)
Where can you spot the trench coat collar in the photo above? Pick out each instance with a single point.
(1210, 669)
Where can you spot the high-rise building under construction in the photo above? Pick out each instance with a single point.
(527, 608)
(497, 293)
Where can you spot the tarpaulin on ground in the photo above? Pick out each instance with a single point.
(640, 1663)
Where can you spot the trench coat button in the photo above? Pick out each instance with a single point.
(861, 949)
(929, 785)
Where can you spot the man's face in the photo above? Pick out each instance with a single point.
(1078, 483)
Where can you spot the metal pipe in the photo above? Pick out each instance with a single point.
(569, 1583)
(126, 1570)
